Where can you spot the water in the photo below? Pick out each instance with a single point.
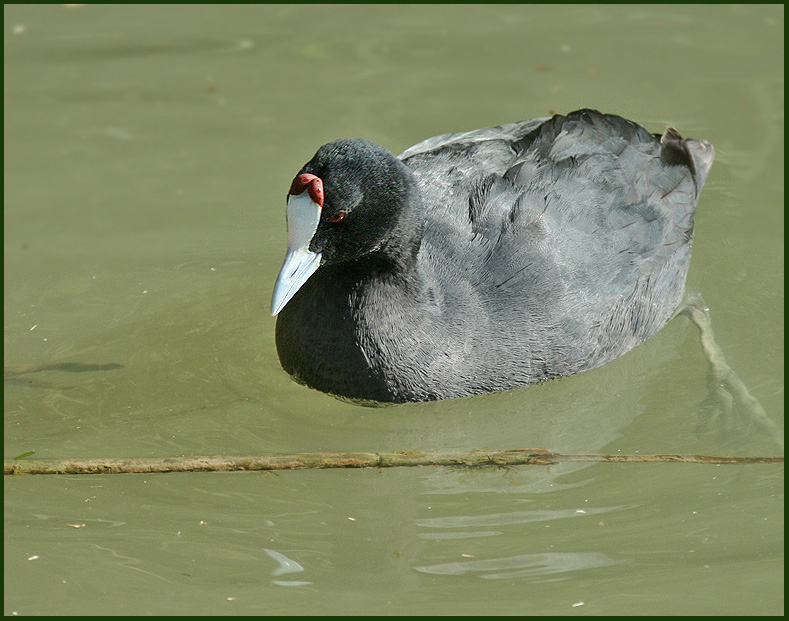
(148, 150)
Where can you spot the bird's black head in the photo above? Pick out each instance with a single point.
(366, 192)
(353, 199)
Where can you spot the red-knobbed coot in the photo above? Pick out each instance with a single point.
(484, 260)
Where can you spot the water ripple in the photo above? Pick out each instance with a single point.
(511, 517)
(523, 565)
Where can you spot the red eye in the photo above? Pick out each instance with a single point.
(337, 216)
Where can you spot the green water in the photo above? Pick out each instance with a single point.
(148, 150)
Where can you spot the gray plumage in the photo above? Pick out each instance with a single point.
(492, 259)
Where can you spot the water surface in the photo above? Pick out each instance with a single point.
(148, 150)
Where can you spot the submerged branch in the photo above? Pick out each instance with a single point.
(298, 461)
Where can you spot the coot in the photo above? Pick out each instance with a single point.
(484, 260)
